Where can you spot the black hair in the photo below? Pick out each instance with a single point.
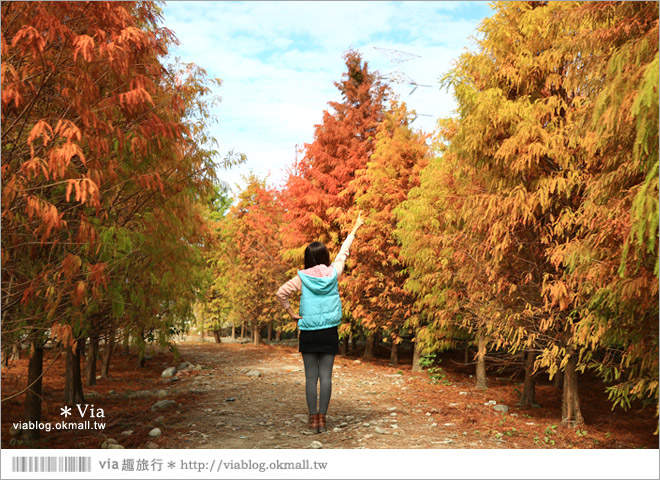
(316, 254)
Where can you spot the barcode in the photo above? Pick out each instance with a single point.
(51, 464)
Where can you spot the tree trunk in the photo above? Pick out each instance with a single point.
(466, 356)
(278, 335)
(233, 331)
(243, 329)
(142, 358)
(416, 366)
(15, 353)
(5, 358)
(32, 412)
(343, 349)
(81, 346)
(270, 331)
(558, 380)
(369, 347)
(141, 348)
(73, 389)
(107, 353)
(90, 364)
(394, 355)
(126, 343)
(353, 340)
(570, 401)
(529, 387)
(255, 333)
(481, 363)
(216, 335)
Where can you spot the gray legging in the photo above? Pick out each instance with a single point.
(318, 366)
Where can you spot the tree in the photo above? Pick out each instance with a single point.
(247, 264)
(551, 221)
(105, 166)
(434, 244)
(318, 197)
(519, 131)
(611, 259)
(217, 306)
(375, 290)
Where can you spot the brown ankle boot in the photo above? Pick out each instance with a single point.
(314, 423)
(321, 420)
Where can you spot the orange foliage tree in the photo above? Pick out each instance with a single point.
(547, 186)
(519, 134)
(611, 258)
(104, 174)
(375, 287)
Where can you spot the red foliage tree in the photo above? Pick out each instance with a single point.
(318, 194)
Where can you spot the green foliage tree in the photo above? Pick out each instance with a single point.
(247, 264)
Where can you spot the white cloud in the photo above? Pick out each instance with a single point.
(278, 62)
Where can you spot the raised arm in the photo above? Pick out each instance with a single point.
(341, 257)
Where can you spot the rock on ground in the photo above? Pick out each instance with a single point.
(168, 372)
(184, 365)
(163, 404)
(108, 442)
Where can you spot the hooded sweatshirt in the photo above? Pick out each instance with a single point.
(320, 305)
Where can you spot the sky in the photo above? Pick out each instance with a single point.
(278, 62)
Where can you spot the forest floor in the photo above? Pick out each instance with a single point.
(216, 404)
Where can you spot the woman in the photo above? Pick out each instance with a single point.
(320, 314)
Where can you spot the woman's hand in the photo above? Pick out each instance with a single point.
(293, 314)
(358, 223)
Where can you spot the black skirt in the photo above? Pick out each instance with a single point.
(325, 340)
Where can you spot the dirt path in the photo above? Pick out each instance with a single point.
(241, 396)
(372, 406)
(375, 405)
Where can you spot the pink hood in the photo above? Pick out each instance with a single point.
(318, 271)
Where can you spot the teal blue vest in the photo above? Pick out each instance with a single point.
(320, 305)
